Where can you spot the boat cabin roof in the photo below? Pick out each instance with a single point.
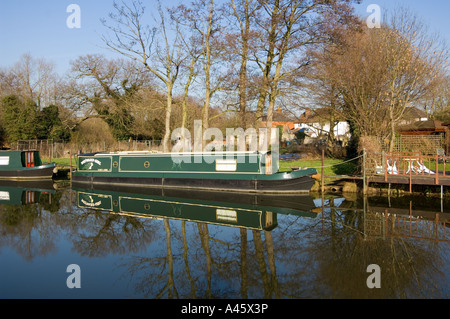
(171, 153)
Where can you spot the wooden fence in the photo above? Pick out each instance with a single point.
(407, 168)
(425, 144)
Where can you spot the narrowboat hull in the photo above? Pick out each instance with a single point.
(250, 174)
(29, 173)
(299, 184)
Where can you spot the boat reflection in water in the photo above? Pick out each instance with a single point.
(18, 193)
(258, 212)
(135, 243)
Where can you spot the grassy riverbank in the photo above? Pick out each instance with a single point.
(332, 166)
(59, 161)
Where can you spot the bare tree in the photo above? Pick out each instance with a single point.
(149, 45)
(244, 11)
(289, 29)
(416, 61)
(202, 18)
(33, 79)
(437, 101)
(379, 72)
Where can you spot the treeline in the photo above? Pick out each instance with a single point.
(23, 120)
(230, 64)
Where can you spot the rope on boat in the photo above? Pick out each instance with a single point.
(337, 163)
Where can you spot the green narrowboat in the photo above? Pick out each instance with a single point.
(24, 165)
(250, 172)
(249, 211)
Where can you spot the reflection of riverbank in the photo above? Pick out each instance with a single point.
(384, 217)
(156, 253)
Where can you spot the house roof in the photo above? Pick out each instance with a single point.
(290, 125)
(280, 116)
(321, 114)
(413, 113)
(430, 126)
(315, 116)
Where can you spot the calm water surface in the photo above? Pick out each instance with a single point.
(173, 244)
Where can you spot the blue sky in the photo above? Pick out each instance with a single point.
(39, 27)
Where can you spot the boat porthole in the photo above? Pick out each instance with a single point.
(147, 206)
(115, 164)
(147, 164)
(115, 203)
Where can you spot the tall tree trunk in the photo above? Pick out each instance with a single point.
(167, 120)
(245, 32)
(264, 88)
(207, 67)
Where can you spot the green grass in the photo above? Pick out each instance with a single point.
(60, 161)
(332, 166)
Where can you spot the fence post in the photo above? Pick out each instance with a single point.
(70, 169)
(437, 169)
(322, 177)
(364, 172)
(410, 175)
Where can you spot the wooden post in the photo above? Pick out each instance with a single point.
(442, 198)
(364, 172)
(70, 169)
(410, 176)
(437, 169)
(437, 226)
(323, 213)
(322, 177)
(443, 161)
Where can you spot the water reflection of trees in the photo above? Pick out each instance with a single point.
(198, 263)
(96, 233)
(34, 229)
(342, 251)
(323, 257)
(30, 229)
(316, 258)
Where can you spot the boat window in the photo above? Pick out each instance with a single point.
(4, 160)
(4, 195)
(269, 219)
(226, 215)
(29, 197)
(227, 165)
(29, 159)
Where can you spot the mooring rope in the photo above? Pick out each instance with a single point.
(337, 163)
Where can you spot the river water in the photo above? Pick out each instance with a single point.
(61, 241)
